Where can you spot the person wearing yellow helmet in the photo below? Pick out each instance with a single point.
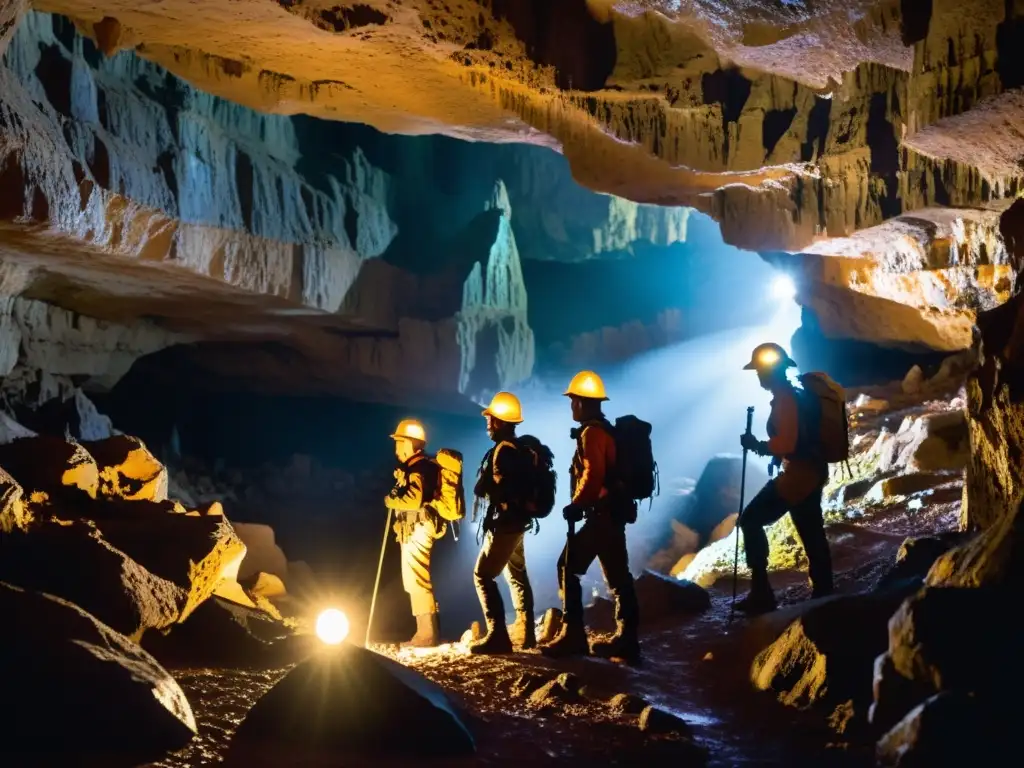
(605, 513)
(417, 526)
(501, 482)
(796, 490)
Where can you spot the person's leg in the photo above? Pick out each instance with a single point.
(810, 526)
(614, 559)
(416, 553)
(764, 509)
(493, 557)
(579, 552)
(522, 594)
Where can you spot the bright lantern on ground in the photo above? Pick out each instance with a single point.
(332, 626)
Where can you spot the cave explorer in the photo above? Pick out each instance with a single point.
(417, 526)
(603, 535)
(503, 481)
(797, 489)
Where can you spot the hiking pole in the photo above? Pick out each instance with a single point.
(743, 487)
(376, 583)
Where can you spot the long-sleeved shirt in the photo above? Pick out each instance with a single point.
(415, 484)
(800, 474)
(595, 457)
(501, 473)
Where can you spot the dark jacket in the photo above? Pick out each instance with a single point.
(502, 481)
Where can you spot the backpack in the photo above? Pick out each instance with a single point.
(449, 499)
(540, 478)
(827, 431)
(636, 471)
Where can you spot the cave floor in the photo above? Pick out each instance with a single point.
(695, 667)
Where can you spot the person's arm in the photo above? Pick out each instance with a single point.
(785, 420)
(592, 476)
(407, 497)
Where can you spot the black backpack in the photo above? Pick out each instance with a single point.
(636, 471)
(540, 478)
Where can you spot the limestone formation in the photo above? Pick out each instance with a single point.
(62, 472)
(127, 470)
(76, 677)
(13, 513)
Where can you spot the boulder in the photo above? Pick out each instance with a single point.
(826, 656)
(626, 704)
(261, 552)
(527, 683)
(82, 690)
(13, 513)
(127, 470)
(224, 634)
(716, 496)
(351, 702)
(916, 556)
(993, 557)
(564, 689)
(912, 382)
(267, 585)
(193, 551)
(660, 597)
(950, 729)
(63, 471)
(940, 443)
(905, 485)
(74, 562)
(654, 720)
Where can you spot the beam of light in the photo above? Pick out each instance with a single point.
(695, 393)
(783, 288)
(332, 626)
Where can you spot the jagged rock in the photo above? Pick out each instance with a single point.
(11, 430)
(267, 584)
(627, 704)
(193, 551)
(916, 556)
(990, 558)
(127, 470)
(949, 729)
(63, 471)
(550, 625)
(660, 597)
(826, 657)
(949, 639)
(474, 633)
(322, 706)
(74, 676)
(912, 382)
(120, 592)
(13, 514)
(654, 720)
(223, 634)
(261, 551)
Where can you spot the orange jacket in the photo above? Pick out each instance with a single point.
(783, 424)
(591, 465)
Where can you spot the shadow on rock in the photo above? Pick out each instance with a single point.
(353, 702)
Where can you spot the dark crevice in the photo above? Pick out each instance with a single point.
(63, 30)
(885, 156)
(818, 122)
(165, 162)
(730, 89)
(54, 72)
(563, 35)
(915, 18)
(243, 181)
(776, 123)
(1010, 48)
(352, 225)
(99, 163)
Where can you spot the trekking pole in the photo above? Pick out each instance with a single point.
(376, 583)
(743, 487)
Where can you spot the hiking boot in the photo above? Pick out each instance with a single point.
(427, 633)
(526, 629)
(495, 642)
(571, 641)
(757, 602)
(622, 645)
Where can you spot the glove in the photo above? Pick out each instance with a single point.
(750, 443)
(572, 513)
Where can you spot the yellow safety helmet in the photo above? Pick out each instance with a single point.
(410, 429)
(506, 407)
(586, 384)
(768, 356)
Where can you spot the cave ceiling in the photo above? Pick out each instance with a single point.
(174, 163)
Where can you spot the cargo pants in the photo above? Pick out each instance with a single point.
(502, 551)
